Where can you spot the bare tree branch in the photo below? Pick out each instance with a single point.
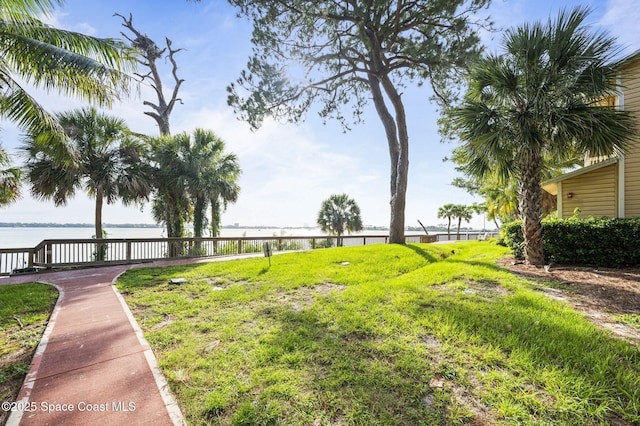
(150, 52)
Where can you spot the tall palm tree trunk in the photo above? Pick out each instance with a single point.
(530, 204)
(101, 249)
(175, 227)
(215, 216)
(199, 210)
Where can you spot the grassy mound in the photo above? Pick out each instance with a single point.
(381, 334)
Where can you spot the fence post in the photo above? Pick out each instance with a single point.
(128, 251)
(239, 246)
(48, 254)
(31, 256)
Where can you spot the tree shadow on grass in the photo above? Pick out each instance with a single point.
(352, 370)
(557, 342)
(430, 257)
(489, 264)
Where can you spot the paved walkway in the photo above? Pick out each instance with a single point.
(93, 366)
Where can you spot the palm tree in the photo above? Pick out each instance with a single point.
(501, 201)
(171, 203)
(46, 57)
(448, 211)
(211, 177)
(107, 163)
(542, 96)
(225, 189)
(339, 214)
(9, 180)
(190, 172)
(462, 212)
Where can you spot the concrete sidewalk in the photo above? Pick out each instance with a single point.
(92, 367)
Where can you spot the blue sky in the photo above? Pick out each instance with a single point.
(287, 169)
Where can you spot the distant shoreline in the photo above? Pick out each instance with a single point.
(76, 225)
(153, 225)
(134, 225)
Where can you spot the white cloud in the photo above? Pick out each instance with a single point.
(621, 19)
(59, 20)
(286, 172)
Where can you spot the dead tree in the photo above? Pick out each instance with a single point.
(151, 53)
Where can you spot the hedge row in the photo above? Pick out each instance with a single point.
(607, 242)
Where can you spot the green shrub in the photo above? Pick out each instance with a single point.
(512, 238)
(328, 243)
(595, 241)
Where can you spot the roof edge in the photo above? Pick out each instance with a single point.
(626, 60)
(581, 171)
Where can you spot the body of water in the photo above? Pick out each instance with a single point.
(20, 237)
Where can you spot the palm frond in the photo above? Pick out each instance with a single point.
(23, 10)
(74, 64)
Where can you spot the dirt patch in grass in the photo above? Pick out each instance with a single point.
(601, 294)
(304, 297)
(488, 289)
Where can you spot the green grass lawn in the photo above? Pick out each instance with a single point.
(379, 335)
(24, 312)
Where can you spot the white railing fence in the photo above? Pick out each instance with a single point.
(61, 253)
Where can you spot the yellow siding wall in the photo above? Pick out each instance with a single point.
(630, 80)
(594, 193)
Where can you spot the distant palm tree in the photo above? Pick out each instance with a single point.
(339, 214)
(448, 211)
(107, 163)
(9, 180)
(542, 97)
(501, 201)
(49, 58)
(462, 212)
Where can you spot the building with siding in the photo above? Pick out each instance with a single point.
(607, 186)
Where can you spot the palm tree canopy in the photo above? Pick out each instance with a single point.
(542, 98)
(446, 211)
(212, 176)
(192, 170)
(106, 160)
(212, 172)
(339, 214)
(34, 53)
(543, 93)
(462, 212)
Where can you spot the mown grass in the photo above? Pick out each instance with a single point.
(379, 335)
(24, 312)
(632, 320)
